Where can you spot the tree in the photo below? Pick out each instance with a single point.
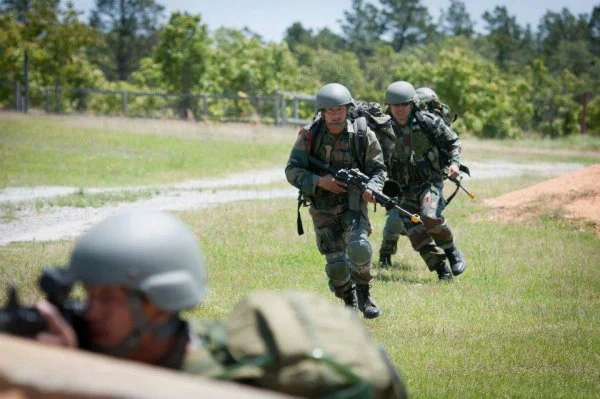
(456, 21)
(297, 35)
(362, 27)
(130, 28)
(52, 41)
(183, 54)
(328, 40)
(504, 34)
(407, 21)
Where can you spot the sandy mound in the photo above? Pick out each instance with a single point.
(575, 195)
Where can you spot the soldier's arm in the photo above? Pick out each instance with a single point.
(447, 140)
(374, 164)
(297, 169)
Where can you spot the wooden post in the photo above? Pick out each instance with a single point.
(584, 103)
(276, 108)
(26, 82)
(296, 113)
(17, 96)
(283, 115)
(124, 103)
(47, 99)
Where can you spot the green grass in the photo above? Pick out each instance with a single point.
(82, 199)
(521, 322)
(45, 151)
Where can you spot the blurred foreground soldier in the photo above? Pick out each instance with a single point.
(426, 151)
(338, 212)
(141, 269)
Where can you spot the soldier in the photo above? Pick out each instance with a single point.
(426, 151)
(339, 213)
(429, 101)
(141, 269)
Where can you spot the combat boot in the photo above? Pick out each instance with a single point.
(385, 260)
(443, 271)
(349, 297)
(457, 262)
(366, 303)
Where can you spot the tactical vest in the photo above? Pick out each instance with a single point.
(416, 158)
(350, 153)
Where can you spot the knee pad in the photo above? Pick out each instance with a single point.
(338, 273)
(360, 252)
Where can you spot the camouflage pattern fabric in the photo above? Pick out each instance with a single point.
(419, 164)
(296, 343)
(430, 237)
(340, 220)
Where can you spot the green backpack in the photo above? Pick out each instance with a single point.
(301, 344)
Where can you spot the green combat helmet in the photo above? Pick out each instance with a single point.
(152, 254)
(400, 92)
(429, 101)
(333, 95)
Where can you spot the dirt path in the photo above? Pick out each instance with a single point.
(54, 223)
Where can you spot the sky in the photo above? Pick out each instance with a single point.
(271, 18)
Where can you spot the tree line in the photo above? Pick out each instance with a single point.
(503, 82)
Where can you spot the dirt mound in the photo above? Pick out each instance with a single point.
(574, 195)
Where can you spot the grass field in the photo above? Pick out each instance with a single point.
(521, 322)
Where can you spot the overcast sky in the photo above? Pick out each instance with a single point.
(271, 18)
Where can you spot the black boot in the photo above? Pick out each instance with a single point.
(385, 260)
(457, 262)
(366, 303)
(443, 271)
(349, 297)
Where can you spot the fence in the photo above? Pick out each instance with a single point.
(281, 108)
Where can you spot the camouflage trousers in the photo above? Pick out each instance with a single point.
(342, 236)
(431, 236)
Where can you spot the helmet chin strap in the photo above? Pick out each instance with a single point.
(140, 326)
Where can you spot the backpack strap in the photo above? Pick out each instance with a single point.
(360, 140)
(426, 127)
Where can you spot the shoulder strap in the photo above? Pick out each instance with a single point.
(360, 140)
(426, 127)
(313, 136)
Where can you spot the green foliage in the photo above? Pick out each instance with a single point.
(490, 103)
(129, 28)
(554, 110)
(408, 22)
(182, 52)
(593, 116)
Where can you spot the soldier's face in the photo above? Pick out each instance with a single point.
(108, 315)
(401, 111)
(335, 117)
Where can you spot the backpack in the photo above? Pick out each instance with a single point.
(301, 344)
(440, 109)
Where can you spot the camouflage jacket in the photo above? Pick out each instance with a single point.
(340, 152)
(423, 151)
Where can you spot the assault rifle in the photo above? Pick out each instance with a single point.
(26, 321)
(354, 177)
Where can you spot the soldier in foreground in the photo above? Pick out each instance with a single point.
(338, 212)
(140, 270)
(426, 150)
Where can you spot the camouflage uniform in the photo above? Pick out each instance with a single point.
(415, 165)
(340, 220)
